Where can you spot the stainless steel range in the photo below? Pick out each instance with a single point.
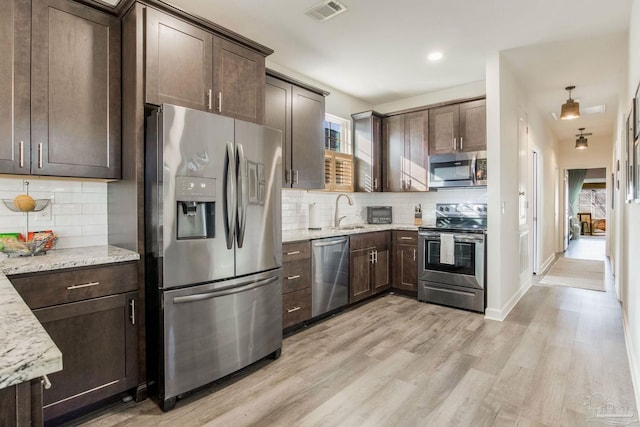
(452, 257)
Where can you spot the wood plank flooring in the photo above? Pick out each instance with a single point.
(397, 362)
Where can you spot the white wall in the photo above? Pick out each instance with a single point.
(506, 101)
(469, 90)
(77, 212)
(631, 223)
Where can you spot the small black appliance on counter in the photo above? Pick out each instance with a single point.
(379, 214)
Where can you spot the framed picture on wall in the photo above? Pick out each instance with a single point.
(629, 154)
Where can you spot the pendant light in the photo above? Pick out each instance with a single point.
(581, 142)
(570, 109)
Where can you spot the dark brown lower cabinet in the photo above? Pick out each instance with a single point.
(368, 264)
(405, 264)
(21, 404)
(296, 283)
(98, 341)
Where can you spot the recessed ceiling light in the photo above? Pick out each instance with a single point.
(435, 56)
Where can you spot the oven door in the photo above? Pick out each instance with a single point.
(468, 267)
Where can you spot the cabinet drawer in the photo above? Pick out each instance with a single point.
(369, 240)
(45, 289)
(294, 251)
(296, 307)
(296, 275)
(405, 237)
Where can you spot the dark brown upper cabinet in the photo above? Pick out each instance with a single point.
(178, 62)
(458, 128)
(191, 67)
(15, 71)
(75, 91)
(299, 114)
(238, 81)
(367, 149)
(405, 139)
(59, 90)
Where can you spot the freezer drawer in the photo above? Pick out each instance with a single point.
(215, 329)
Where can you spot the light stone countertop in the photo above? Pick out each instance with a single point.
(26, 350)
(289, 236)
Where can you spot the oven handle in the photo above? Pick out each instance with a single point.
(463, 238)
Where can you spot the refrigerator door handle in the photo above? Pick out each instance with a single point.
(242, 287)
(243, 195)
(230, 201)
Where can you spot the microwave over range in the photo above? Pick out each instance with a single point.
(458, 170)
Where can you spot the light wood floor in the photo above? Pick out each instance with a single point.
(397, 362)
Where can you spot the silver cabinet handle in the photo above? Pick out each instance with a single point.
(295, 176)
(453, 146)
(85, 285)
(45, 382)
(291, 310)
(21, 154)
(219, 102)
(297, 276)
(293, 253)
(371, 257)
(210, 100)
(132, 313)
(414, 254)
(375, 254)
(40, 155)
(375, 183)
(406, 238)
(286, 176)
(461, 143)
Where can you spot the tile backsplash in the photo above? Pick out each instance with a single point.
(295, 205)
(77, 212)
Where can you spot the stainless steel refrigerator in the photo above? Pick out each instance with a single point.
(214, 247)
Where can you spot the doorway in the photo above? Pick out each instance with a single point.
(587, 210)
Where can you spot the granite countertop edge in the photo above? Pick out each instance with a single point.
(289, 236)
(26, 350)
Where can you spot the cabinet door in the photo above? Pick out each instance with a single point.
(307, 134)
(15, 127)
(277, 115)
(238, 81)
(179, 64)
(473, 126)
(360, 274)
(415, 150)
(381, 278)
(443, 129)
(75, 91)
(393, 140)
(367, 144)
(97, 338)
(405, 267)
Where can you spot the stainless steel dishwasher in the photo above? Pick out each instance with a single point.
(329, 274)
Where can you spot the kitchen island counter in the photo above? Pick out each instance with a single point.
(27, 350)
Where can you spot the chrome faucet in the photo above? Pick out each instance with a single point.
(336, 218)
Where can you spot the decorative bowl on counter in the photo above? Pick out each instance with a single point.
(39, 243)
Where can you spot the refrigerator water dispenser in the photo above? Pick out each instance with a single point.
(196, 207)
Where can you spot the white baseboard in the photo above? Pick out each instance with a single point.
(633, 364)
(501, 314)
(547, 264)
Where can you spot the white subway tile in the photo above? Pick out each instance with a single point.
(54, 186)
(94, 187)
(66, 209)
(80, 242)
(11, 184)
(94, 208)
(94, 230)
(81, 198)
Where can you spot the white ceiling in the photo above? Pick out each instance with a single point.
(376, 51)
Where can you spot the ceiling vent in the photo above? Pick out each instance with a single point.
(326, 10)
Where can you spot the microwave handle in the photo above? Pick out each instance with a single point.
(473, 171)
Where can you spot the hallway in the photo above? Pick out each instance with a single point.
(587, 247)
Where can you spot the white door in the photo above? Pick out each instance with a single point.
(534, 211)
(523, 184)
